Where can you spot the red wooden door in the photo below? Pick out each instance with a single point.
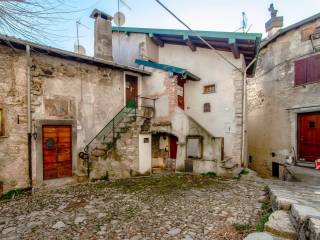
(173, 147)
(180, 92)
(57, 152)
(131, 88)
(309, 136)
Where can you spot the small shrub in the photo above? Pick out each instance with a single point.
(14, 193)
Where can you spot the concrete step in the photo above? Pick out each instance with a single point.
(280, 225)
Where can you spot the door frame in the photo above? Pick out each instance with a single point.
(125, 73)
(293, 121)
(38, 146)
(298, 130)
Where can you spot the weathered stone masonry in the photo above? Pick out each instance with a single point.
(63, 92)
(272, 128)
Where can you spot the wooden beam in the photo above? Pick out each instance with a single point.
(156, 40)
(234, 48)
(189, 43)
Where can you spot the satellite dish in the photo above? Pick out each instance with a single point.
(119, 19)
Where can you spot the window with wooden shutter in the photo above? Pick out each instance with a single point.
(313, 69)
(206, 107)
(307, 70)
(300, 68)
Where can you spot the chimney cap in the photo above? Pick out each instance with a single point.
(97, 13)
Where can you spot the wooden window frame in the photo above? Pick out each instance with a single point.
(208, 89)
(206, 107)
(2, 122)
(304, 71)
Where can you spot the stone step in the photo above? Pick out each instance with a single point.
(157, 170)
(306, 220)
(280, 225)
(261, 236)
(313, 229)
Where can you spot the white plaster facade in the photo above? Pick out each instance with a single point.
(225, 119)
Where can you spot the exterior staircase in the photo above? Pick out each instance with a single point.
(296, 212)
(128, 123)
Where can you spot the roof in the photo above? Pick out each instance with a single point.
(289, 28)
(21, 44)
(235, 42)
(180, 71)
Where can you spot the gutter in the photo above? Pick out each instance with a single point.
(244, 160)
(28, 76)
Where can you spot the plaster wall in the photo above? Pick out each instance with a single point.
(225, 103)
(145, 153)
(272, 129)
(128, 48)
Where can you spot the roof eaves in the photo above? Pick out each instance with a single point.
(212, 34)
(65, 54)
(181, 71)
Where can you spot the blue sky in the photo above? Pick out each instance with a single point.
(215, 15)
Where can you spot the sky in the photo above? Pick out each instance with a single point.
(214, 15)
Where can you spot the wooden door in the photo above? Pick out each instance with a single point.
(180, 92)
(131, 89)
(309, 136)
(57, 152)
(173, 147)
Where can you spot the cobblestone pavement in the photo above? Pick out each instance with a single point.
(169, 207)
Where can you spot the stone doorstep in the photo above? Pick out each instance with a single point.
(280, 225)
(314, 228)
(261, 236)
(302, 215)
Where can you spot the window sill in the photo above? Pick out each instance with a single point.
(4, 136)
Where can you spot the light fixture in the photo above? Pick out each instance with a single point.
(35, 134)
(315, 39)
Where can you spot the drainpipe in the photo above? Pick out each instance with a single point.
(29, 114)
(244, 161)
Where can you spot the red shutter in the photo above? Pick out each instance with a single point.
(313, 69)
(300, 71)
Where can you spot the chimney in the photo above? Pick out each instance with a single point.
(275, 23)
(102, 35)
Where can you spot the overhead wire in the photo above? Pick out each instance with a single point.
(197, 35)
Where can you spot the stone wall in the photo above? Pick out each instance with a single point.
(63, 91)
(272, 128)
(13, 99)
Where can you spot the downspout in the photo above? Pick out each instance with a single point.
(244, 161)
(29, 114)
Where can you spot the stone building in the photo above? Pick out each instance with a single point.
(159, 101)
(284, 97)
(199, 92)
(72, 97)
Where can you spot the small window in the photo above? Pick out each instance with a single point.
(1, 122)
(206, 107)
(209, 89)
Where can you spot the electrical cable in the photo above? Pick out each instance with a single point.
(197, 35)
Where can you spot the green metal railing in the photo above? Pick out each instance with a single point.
(111, 132)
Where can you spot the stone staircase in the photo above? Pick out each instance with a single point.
(296, 213)
(114, 151)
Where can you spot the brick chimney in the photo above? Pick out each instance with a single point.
(275, 23)
(102, 35)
